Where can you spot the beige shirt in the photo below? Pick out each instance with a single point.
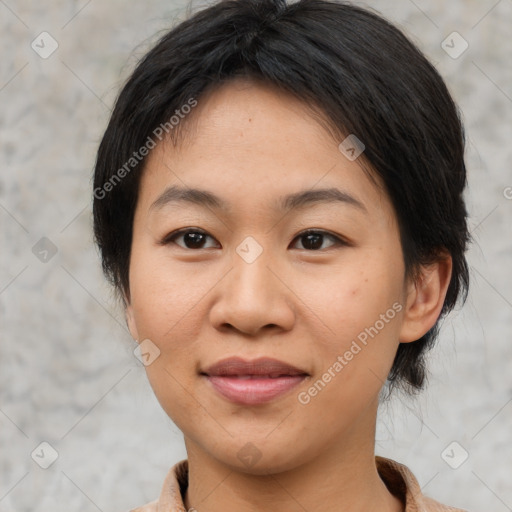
(397, 477)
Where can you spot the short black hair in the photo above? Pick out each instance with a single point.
(365, 77)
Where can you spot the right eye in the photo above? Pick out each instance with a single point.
(192, 238)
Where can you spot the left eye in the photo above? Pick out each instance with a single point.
(313, 240)
(195, 239)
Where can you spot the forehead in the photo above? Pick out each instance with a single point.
(244, 107)
(246, 141)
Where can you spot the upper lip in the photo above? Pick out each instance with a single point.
(261, 366)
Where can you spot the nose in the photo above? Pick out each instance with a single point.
(253, 298)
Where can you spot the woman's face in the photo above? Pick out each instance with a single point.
(247, 282)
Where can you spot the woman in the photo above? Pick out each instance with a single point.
(279, 203)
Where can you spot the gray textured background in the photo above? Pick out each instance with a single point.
(68, 375)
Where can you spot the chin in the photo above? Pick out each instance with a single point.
(259, 457)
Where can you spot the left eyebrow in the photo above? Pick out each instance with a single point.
(286, 203)
(322, 195)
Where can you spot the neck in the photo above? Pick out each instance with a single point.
(345, 477)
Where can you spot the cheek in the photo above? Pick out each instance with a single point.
(166, 305)
(347, 300)
(163, 295)
(359, 307)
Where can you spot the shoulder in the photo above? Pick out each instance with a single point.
(148, 507)
(173, 490)
(430, 505)
(400, 481)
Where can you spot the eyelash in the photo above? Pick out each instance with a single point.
(170, 238)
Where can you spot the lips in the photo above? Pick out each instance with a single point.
(262, 367)
(253, 382)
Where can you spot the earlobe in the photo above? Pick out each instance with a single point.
(130, 321)
(425, 299)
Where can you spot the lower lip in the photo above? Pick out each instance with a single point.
(255, 390)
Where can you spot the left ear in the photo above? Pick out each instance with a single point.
(425, 299)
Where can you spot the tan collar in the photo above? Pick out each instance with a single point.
(397, 477)
(402, 483)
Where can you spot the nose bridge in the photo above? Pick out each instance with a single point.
(251, 279)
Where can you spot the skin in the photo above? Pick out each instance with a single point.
(250, 144)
